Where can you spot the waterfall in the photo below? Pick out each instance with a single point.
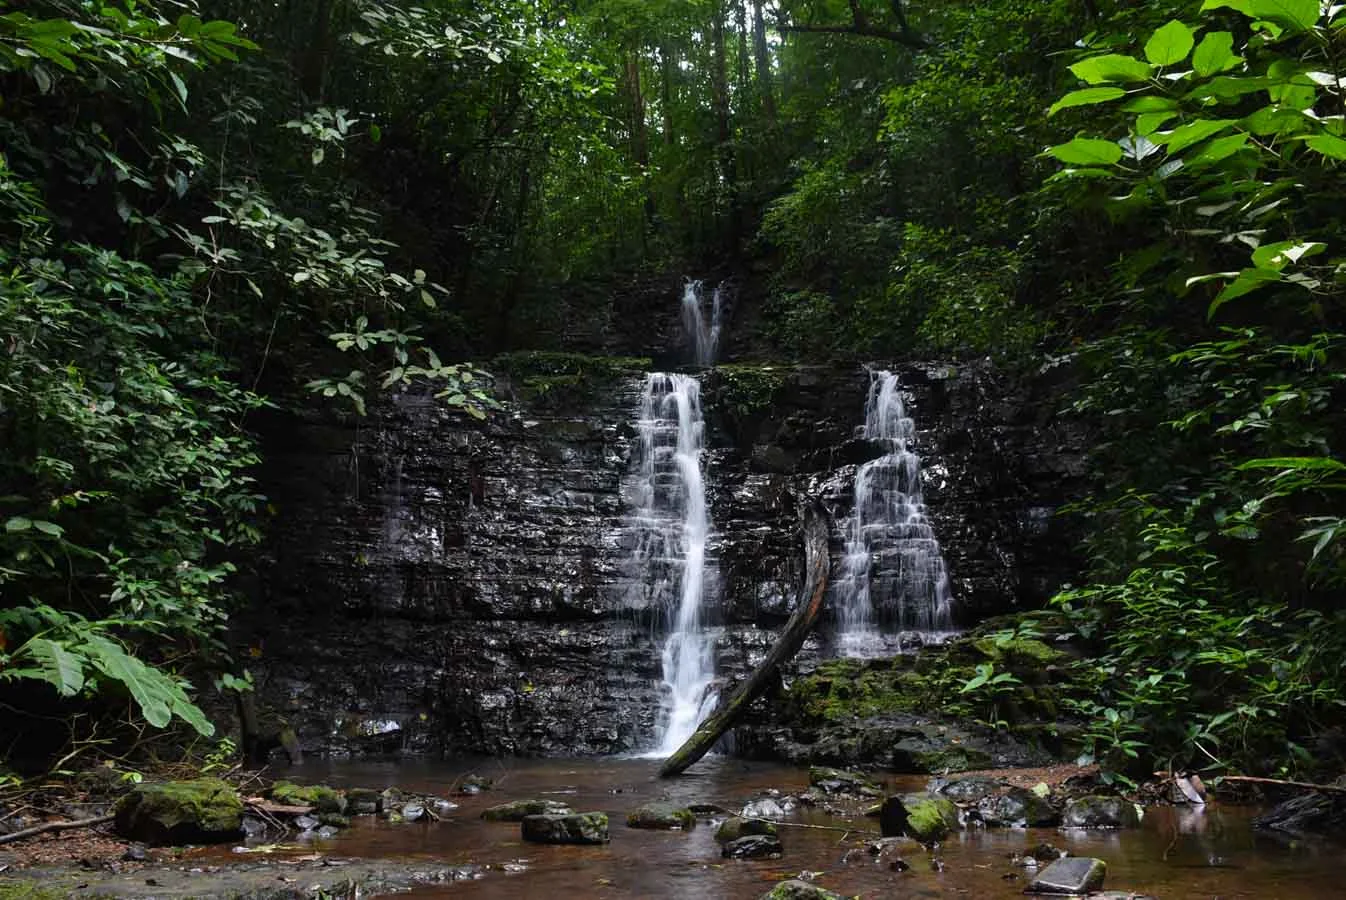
(893, 566)
(673, 525)
(702, 334)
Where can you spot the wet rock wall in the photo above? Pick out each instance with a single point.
(434, 584)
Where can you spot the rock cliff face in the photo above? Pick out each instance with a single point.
(436, 584)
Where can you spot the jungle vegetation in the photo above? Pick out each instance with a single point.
(212, 207)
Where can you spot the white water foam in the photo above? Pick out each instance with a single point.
(893, 575)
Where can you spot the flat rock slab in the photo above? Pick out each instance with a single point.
(576, 828)
(754, 846)
(1073, 875)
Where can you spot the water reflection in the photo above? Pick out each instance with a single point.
(1177, 853)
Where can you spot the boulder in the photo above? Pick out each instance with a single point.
(515, 810)
(1072, 875)
(575, 828)
(661, 816)
(1096, 811)
(204, 811)
(764, 808)
(753, 846)
(363, 802)
(413, 811)
(794, 889)
(1017, 808)
(925, 817)
(323, 799)
(735, 827)
(475, 784)
(969, 790)
(839, 781)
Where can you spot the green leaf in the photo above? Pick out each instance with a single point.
(1111, 67)
(1087, 152)
(1327, 145)
(1318, 463)
(56, 665)
(50, 528)
(1247, 281)
(1193, 133)
(158, 696)
(147, 691)
(1218, 149)
(1170, 44)
(1298, 15)
(1215, 54)
(1277, 256)
(375, 133)
(18, 523)
(1086, 97)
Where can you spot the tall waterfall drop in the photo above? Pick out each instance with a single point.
(703, 333)
(893, 566)
(673, 527)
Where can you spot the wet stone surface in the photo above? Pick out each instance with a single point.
(438, 584)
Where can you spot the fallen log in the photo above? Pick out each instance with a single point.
(807, 607)
(55, 826)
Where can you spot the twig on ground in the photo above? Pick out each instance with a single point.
(1328, 788)
(55, 826)
(818, 827)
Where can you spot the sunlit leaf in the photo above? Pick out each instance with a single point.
(1169, 44)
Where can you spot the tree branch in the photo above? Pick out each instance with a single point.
(860, 26)
(55, 826)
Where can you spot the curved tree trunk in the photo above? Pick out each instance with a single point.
(807, 608)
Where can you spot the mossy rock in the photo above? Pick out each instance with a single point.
(576, 828)
(795, 889)
(335, 820)
(735, 827)
(204, 811)
(515, 810)
(924, 817)
(1026, 652)
(661, 816)
(322, 798)
(1095, 811)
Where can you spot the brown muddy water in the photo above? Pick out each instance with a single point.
(1177, 853)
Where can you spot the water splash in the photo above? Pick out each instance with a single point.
(893, 573)
(672, 522)
(703, 334)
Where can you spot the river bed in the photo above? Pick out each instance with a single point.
(1178, 852)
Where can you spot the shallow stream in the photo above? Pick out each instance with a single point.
(1177, 853)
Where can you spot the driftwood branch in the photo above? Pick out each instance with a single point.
(861, 26)
(807, 607)
(1249, 779)
(55, 826)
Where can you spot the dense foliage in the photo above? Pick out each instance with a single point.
(213, 207)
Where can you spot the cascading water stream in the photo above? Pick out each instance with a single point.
(893, 565)
(702, 333)
(673, 527)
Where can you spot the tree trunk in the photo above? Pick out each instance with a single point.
(640, 147)
(724, 149)
(763, 62)
(666, 95)
(807, 607)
